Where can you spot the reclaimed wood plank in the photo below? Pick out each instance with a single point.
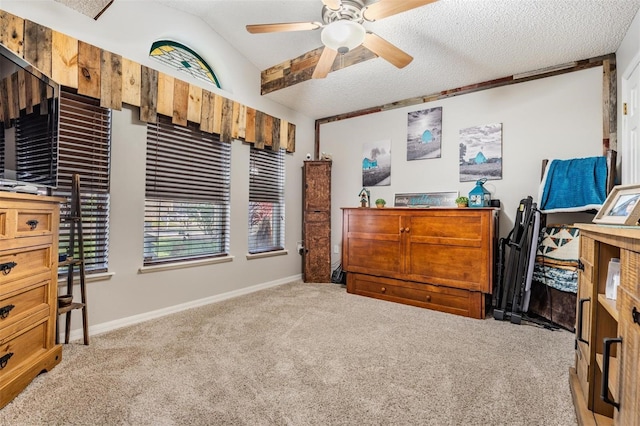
(89, 64)
(194, 108)
(250, 126)
(12, 32)
(131, 79)
(217, 114)
(111, 84)
(235, 122)
(227, 120)
(206, 117)
(22, 88)
(13, 96)
(268, 130)
(29, 84)
(284, 134)
(300, 69)
(37, 46)
(260, 119)
(148, 95)
(165, 94)
(275, 134)
(4, 101)
(64, 62)
(180, 102)
(291, 143)
(242, 122)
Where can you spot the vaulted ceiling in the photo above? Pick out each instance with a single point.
(454, 43)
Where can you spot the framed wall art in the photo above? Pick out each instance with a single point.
(622, 206)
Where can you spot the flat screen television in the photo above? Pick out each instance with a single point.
(29, 121)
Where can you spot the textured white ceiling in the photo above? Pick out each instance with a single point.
(454, 43)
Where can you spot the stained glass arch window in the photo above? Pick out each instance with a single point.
(182, 58)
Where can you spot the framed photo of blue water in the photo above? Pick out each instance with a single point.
(424, 134)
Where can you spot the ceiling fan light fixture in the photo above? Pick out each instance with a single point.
(343, 35)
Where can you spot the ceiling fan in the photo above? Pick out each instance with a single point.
(342, 30)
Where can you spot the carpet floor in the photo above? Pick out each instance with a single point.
(307, 354)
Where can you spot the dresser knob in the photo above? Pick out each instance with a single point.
(383, 289)
(33, 224)
(401, 230)
(406, 230)
(428, 298)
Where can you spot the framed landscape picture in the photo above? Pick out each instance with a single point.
(424, 134)
(481, 152)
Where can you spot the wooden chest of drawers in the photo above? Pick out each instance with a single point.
(436, 258)
(28, 290)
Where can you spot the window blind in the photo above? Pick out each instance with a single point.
(266, 200)
(187, 202)
(84, 148)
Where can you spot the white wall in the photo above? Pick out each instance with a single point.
(557, 117)
(129, 296)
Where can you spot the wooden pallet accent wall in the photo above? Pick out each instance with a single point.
(115, 80)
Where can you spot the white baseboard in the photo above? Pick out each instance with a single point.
(76, 334)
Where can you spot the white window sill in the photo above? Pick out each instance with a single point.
(267, 254)
(182, 265)
(89, 278)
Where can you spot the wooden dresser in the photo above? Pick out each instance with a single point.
(28, 289)
(437, 258)
(607, 351)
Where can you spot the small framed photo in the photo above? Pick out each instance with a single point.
(622, 206)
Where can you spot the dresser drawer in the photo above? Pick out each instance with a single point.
(33, 222)
(23, 347)
(26, 301)
(439, 298)
(20, 263)
(26, 222)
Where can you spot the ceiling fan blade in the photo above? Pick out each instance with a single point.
(333, 4)
(277, 28)
(324, 63)
(385, 8)
(386, 50)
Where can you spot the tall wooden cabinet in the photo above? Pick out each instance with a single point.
(437, 258)
(28, 289)
(316, 227)
(605, 381)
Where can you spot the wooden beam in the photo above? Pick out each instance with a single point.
(300, 69)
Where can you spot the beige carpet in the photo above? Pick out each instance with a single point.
(307, 354)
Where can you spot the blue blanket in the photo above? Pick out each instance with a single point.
(574, 185)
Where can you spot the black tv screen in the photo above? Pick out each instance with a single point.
(29, 120)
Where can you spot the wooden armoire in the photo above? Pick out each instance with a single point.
(316, 221)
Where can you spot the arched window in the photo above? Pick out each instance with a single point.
(182, 58)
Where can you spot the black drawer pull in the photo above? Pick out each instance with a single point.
(7, 267)
(606, 354)
(4, 311)
(33, 224)
(5, 359)
(635, 313)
